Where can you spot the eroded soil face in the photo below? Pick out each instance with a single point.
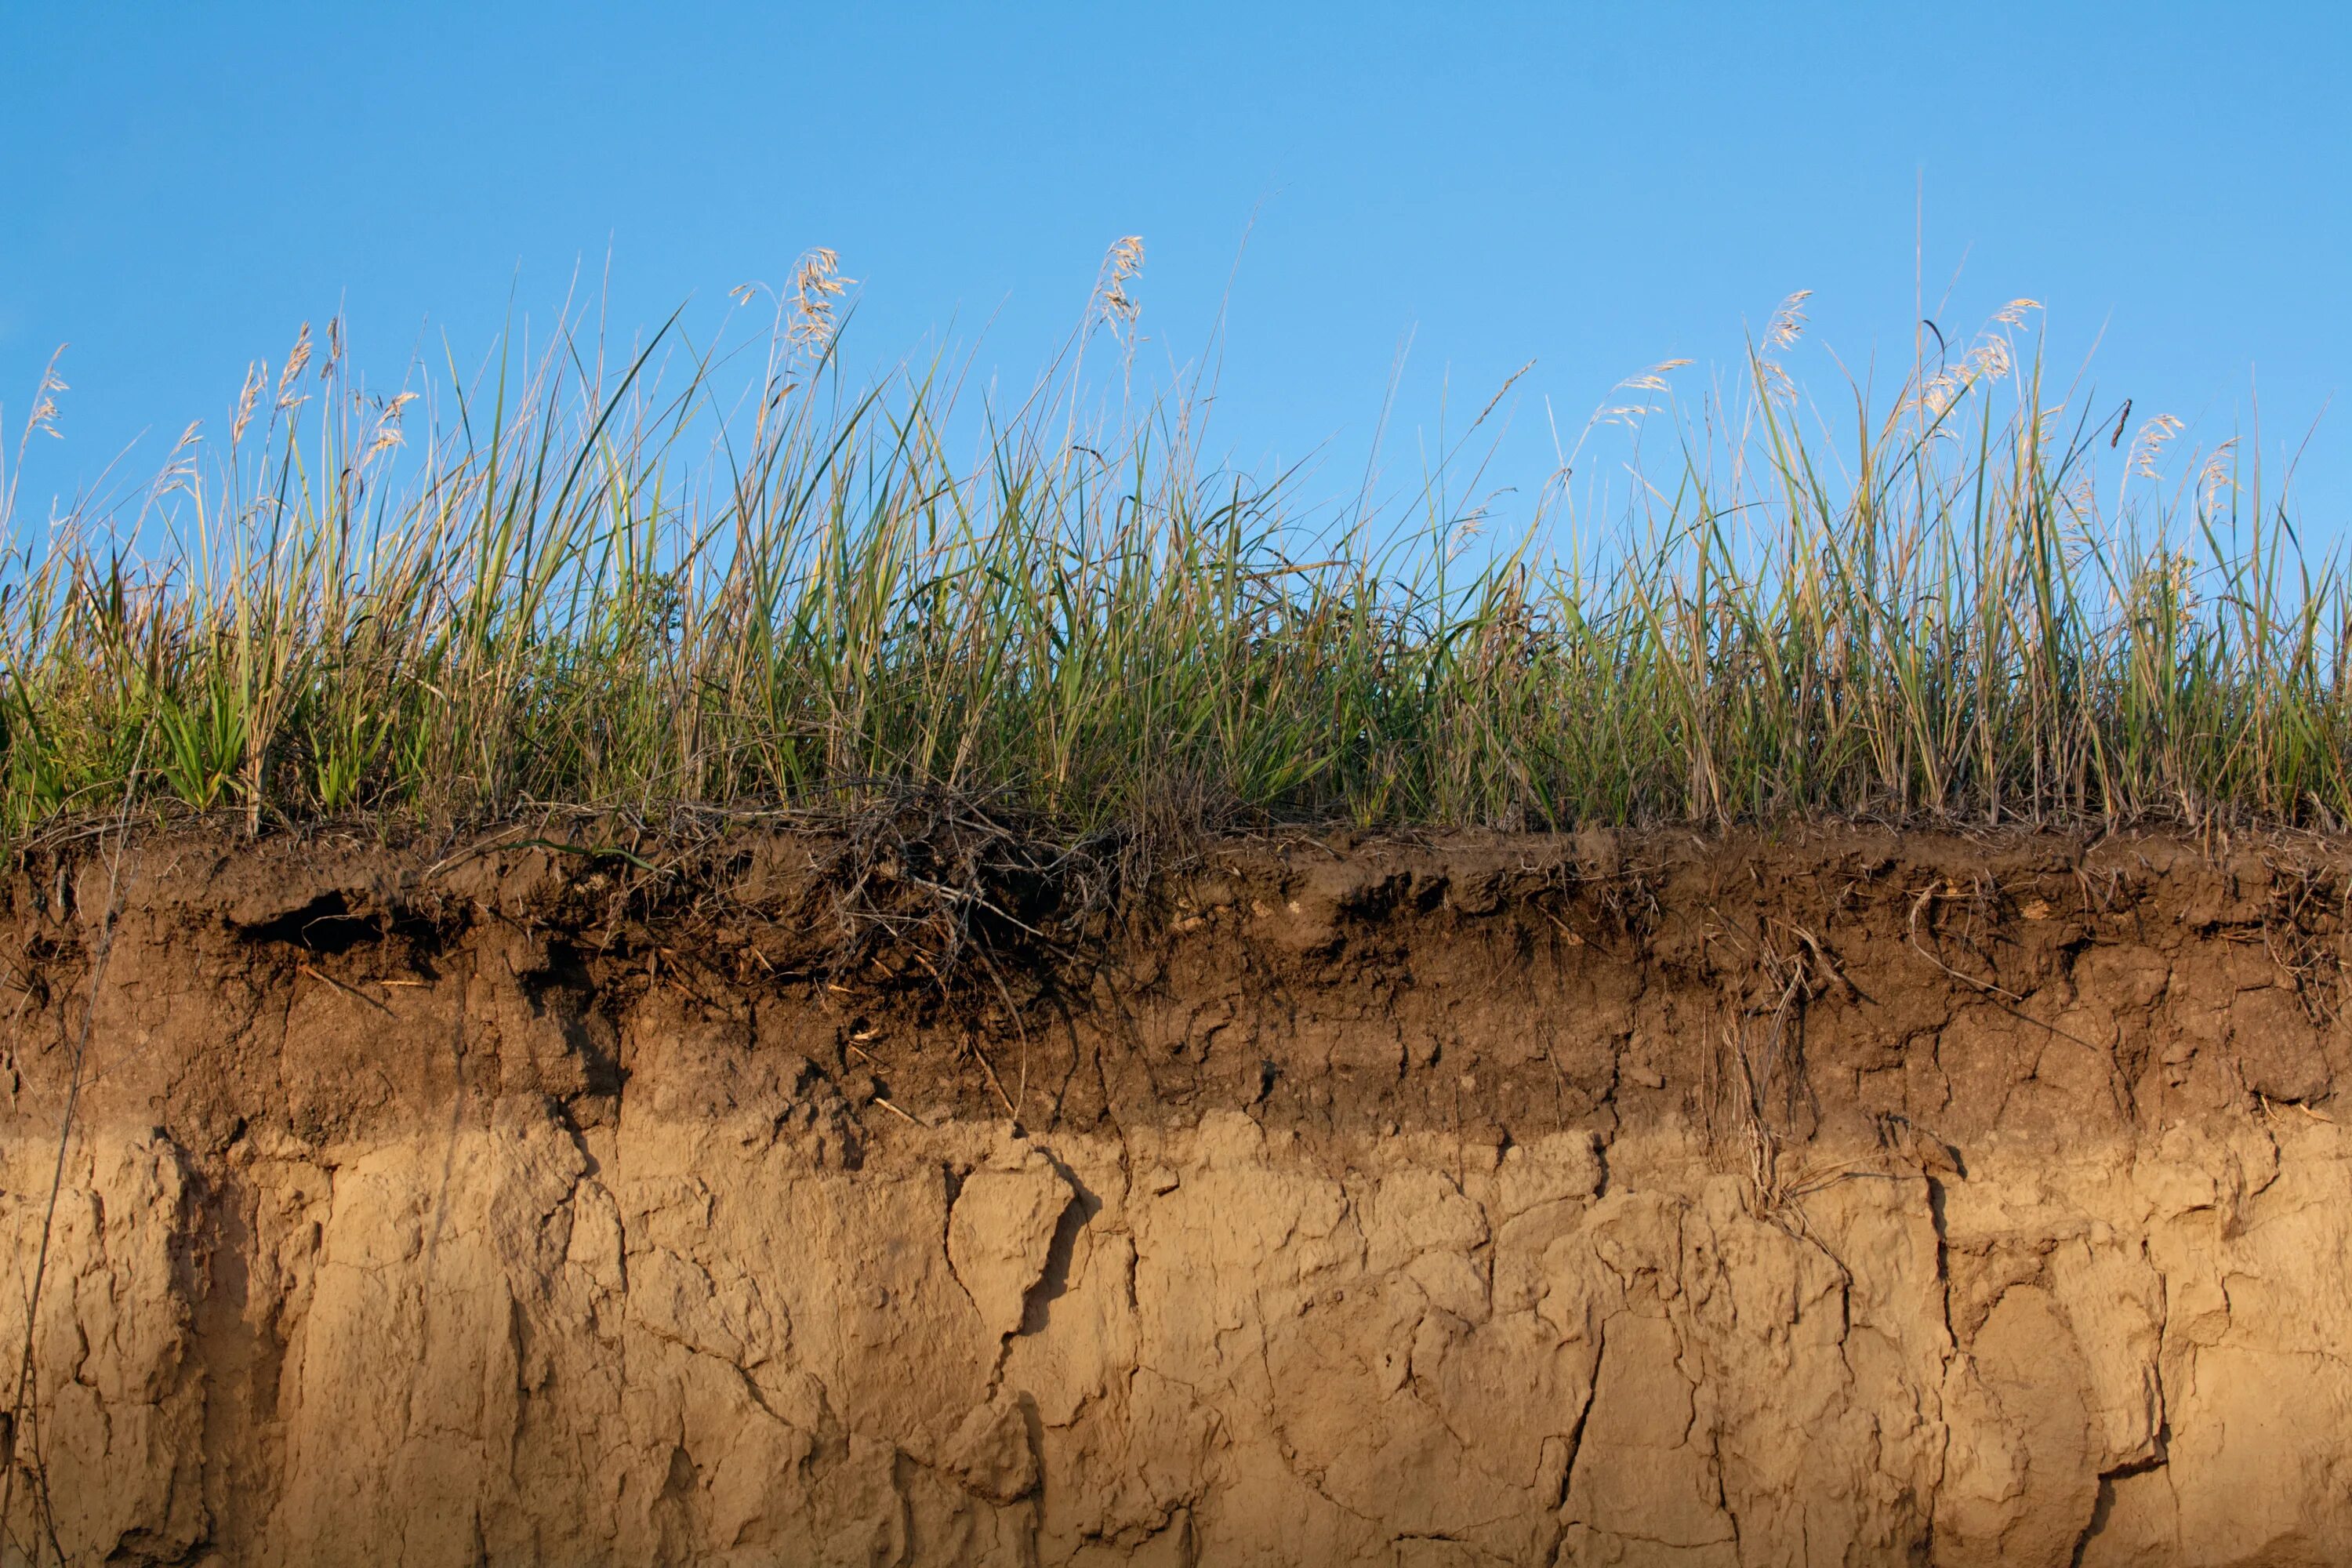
(1851, 1198)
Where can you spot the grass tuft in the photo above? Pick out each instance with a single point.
(606, 585)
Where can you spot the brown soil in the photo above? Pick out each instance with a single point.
(1852, 1196)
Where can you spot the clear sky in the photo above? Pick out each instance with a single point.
(1593, 186)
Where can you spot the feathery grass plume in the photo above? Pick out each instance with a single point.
(1651, 380)
(1654, 378)
(297, 359)
(1780, 334)
(631, 583)
(1788, 323)
(256, 377)
(387, 425)
(1989, 360)
(817, 284)
(179, 470)
(44, 417)
(1121, 265)
(2215, 478)
(2150, 443)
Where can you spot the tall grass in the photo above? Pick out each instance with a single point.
(599, 582)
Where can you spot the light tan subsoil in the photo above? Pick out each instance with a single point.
(1848, 1197)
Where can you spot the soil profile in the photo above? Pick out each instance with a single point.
(1842, 1196)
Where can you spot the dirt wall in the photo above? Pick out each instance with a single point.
(1856, 1197)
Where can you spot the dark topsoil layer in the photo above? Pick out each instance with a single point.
(1831, 983)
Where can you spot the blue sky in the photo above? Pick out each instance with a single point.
(1595, 187)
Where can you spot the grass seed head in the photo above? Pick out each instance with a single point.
(256, 377)
(2149, 444)
(817, 284)
(1788, 321)
(297, 359)
(1122, 263)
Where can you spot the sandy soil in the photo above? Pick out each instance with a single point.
(1851, 1197)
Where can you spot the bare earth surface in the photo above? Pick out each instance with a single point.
(1847, 1197)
